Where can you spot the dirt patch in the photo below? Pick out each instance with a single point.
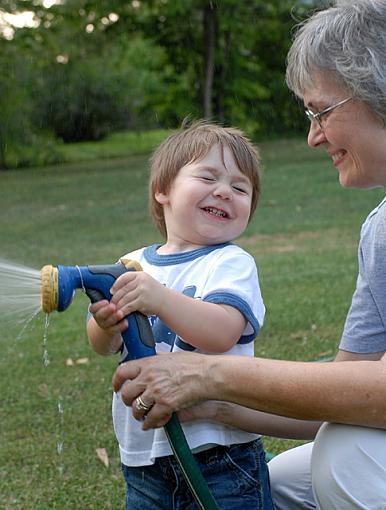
(281, 243)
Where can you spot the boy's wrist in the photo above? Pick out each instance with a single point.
(164, 304)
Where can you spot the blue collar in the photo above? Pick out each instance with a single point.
(151, 255)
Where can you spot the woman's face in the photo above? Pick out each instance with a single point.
(353, 136)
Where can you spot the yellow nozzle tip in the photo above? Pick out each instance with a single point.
(131, 264)
(49, 290)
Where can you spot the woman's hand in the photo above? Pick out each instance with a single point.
(167, 382)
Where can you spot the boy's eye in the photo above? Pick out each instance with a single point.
(207, 178)
(240, 189)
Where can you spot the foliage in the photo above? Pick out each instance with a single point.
(90, 96)
(79, 104)
(20, 143)
(90, 68)
(251, 40)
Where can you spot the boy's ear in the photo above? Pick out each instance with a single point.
(161, 198)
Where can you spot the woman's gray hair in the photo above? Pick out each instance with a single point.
(347, 40)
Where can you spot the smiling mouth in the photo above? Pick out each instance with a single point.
(337, 156)
(216, 212)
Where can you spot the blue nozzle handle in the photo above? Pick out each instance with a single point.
(94, 295)
(97, 281)
(138, 340)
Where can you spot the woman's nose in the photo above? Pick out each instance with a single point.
(316, 135)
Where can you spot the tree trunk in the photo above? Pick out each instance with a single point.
(3, 163)
(222, 74)
(210, 23)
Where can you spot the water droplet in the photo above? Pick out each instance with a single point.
(46, 359)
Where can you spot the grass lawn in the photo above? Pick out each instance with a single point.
(303, 236)
(117, 144)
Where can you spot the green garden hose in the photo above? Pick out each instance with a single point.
(188, 465)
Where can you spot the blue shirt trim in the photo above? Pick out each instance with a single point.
(225, 298)
(152, 257)
(184, 345)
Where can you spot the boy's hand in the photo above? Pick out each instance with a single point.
(204, 411)
(137, 291)
(108, 317)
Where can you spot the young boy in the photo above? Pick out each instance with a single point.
(201, 293)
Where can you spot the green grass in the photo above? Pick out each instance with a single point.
(121, 144)
(46, 150)
(304, 237)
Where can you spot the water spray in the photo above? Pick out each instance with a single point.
(58, 286)
(20, 293)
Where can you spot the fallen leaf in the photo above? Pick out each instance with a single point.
(324, 353)
(102, 456)
(82, 361)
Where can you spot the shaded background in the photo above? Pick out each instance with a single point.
(81, 69)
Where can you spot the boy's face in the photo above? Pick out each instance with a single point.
(209, 202)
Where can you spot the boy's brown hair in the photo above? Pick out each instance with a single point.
(190, 144)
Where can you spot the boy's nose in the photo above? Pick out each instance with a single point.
(223, 190)
(316, 135)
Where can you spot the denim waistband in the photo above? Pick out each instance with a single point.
(216, 452)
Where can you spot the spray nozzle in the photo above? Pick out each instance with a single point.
(49, 289)
(60, 283)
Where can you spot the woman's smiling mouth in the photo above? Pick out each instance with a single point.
(338, 156)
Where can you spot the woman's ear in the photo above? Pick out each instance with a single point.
(161, 198)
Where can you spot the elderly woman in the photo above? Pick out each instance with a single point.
(337, 66)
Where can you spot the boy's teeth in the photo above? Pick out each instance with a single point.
(214, 211)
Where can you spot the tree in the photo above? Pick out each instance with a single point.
(210, 22)
(233, 55)
(20, 142)
(95, 66)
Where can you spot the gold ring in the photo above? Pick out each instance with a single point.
(141, 406)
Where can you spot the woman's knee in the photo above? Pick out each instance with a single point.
(348, 467)
(290, 479)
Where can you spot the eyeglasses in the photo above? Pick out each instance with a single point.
(318, 116)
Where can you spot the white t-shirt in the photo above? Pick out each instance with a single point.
(222, 274)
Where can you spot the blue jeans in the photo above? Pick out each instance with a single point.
(237, 477)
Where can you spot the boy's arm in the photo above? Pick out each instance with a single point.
(207, 326)
(250, 420)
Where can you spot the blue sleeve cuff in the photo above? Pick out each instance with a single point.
(224, 298)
